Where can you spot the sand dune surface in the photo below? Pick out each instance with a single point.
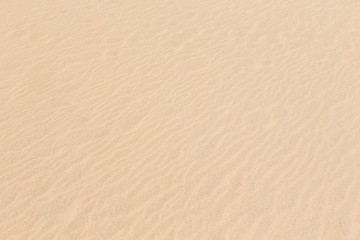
(179, 120)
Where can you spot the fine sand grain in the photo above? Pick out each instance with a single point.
(179, 120)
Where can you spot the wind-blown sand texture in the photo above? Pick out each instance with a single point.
(179, 120)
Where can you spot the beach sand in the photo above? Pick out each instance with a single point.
(179, 120)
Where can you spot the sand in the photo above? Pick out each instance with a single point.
(179, 120)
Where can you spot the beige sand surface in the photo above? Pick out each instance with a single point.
(179, 120)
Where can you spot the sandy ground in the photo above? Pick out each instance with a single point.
(179, 120)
